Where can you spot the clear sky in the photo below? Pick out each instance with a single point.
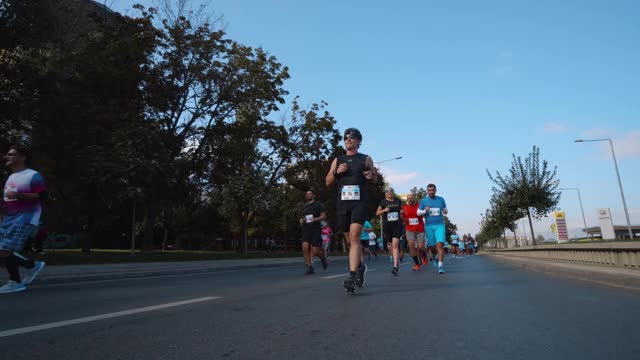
(456, 87)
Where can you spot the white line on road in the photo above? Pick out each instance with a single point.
(87, 319)
(345, 274)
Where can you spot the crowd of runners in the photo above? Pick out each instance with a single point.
(418, 227)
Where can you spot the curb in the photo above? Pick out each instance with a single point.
(614, 277)
(134, 274)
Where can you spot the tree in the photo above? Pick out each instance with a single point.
(420, 193)
(530, 187)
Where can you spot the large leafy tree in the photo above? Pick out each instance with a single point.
(530, 187)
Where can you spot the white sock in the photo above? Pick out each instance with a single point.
(440, 264)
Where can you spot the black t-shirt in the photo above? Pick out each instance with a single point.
(394, 206)
(312, 210)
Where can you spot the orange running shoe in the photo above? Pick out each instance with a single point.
(425, 261)
(416, 267)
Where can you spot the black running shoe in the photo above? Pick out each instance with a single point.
(309, 271)
(395, 271)
(325, 265)
(350, 283)
(360, 275)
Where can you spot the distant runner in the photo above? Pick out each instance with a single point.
(391, 210)
(414, 226)
(312, 215)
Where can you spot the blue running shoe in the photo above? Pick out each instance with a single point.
(441, 270)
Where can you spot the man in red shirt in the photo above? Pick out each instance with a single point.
(414, 226)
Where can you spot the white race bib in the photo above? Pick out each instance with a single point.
(350, 192)
(434, 212)
(414, 221)
(393, 216)
(309, 218)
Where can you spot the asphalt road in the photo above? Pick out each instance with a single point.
(480, 309)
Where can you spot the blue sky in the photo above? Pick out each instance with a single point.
(456, 87)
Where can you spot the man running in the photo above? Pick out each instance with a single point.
(391, 209)
(23, 193)
(351, 172)
(454, 244)
(414, 226)
(313, 214)
(434, 208)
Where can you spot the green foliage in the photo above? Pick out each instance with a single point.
(529, 189)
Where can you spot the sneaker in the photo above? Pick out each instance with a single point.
(309, 271)
(325, 264)
(425, 261)
(395, 271)
(12, 286)
(441, 270)
(350, 283)
(416, 267)
(391, 259)
(31, 274)
(360, 275)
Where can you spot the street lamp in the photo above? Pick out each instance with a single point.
(581, 208)
(384, 161)
(615, 163)
(378, 163)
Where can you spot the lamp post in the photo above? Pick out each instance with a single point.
(378, 163)
(615, 163)
(581, 208)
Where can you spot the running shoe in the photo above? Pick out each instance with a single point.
(391, 259)
(325, 263)
(12, 286)
(425, 261)
(360, 275)
(31, 274)
(350, 283)
(309, 271)
(416, 267)
(441, 270)
(395, 271)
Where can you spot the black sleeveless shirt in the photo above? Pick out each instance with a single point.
(357, 165)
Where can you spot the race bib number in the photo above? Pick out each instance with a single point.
(414, 221)
(393, 216)
(434, 212)
(308, 218)
(350, 192)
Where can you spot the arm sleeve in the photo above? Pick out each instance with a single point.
(37, 183)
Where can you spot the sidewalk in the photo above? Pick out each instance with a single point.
(605, 275)
(77, 273)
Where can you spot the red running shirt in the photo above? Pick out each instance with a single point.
(412, 221)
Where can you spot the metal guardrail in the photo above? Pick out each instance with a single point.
(616, 254)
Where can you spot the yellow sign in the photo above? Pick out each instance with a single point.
(558, 214)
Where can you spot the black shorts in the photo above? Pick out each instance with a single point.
(455, 245)
(364, 244)
(392, 230)
(348, 214)
(312, 237)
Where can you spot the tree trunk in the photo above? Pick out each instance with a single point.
(149, 222)
(133, 227)
(533, 237)
(244, 224)
(515, 239)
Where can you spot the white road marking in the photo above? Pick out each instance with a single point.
(345, 274)
(87, 319)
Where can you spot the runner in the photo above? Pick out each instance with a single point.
(414, 226)
(372, 243)
(313, 213)
(364, 239)
(462, 247)
(454, 244)
(326, 238)
(351, 172)
(391, 210)
(434, 208)
(23, 193)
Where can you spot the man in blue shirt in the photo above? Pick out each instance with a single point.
(434, 208)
